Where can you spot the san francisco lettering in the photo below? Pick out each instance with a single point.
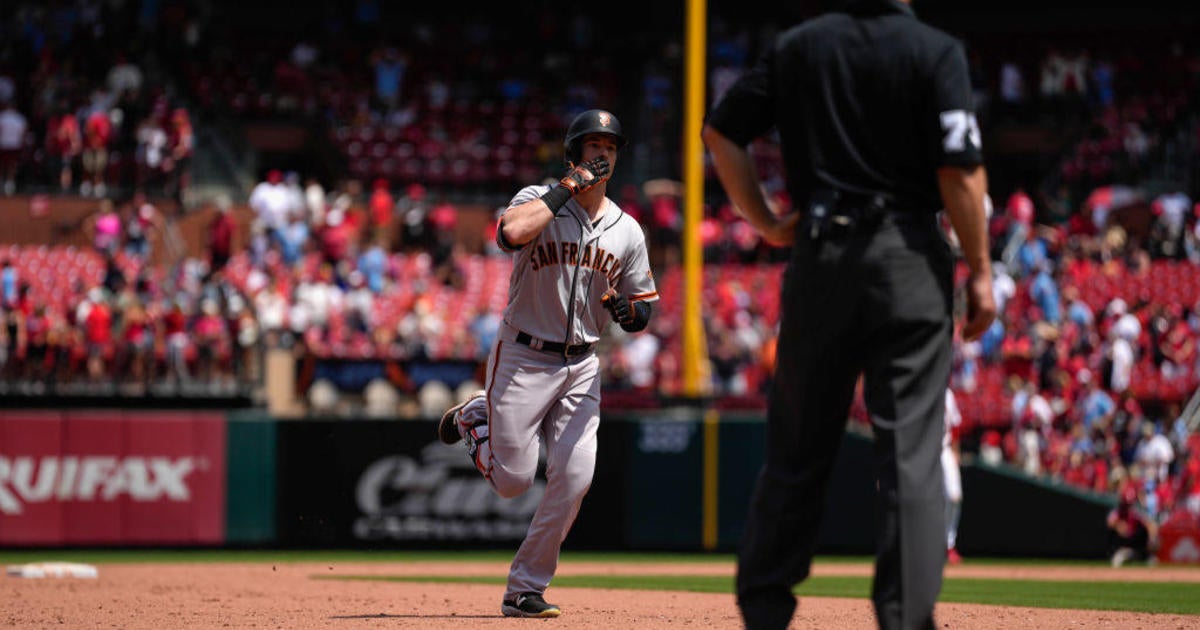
(567, 253)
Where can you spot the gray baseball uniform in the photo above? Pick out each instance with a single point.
(543, 378)
(950, 473)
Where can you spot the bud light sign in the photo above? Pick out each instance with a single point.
(111, 478)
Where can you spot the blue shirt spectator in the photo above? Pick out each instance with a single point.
(373, 265)
(1045, 294)
(8, 283)
(389, 72)
(292, 240)
(484, 327)
(1096, 405)
(1079, 313)
(989, 343)
(1031, 255)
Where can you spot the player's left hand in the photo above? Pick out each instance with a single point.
(617, 306)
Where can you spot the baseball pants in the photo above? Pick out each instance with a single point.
(953, 488)
(875, 303)
(535, 398)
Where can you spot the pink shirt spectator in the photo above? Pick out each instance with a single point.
(108, 229)
(209, 327)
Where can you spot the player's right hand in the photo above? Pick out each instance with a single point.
(584, 177)
(981, 305)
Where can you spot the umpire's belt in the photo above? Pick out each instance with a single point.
(553, 347)
(834, 213)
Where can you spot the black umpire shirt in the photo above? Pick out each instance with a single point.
(867, 99)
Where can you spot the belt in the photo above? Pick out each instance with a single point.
(554, 347)
(838, 213)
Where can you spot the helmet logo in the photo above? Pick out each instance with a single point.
(605, 119)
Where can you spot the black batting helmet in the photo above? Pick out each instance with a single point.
(591, 121)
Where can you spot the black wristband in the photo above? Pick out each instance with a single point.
(641, 317)
(556, 198)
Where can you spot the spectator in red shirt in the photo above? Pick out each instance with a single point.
(63, 144)
(97, 327)
(138, 342)
(1020, 208)
(181, 143)
(666, 219)
(1132, 535)
(1019, 215)
(712, 239)
(443, 219)
(1179, 348)
(1079, 471)
(380, 206)
(175, 331)
(211, 338)
(336, 236)
(220, 236)
(97, 132)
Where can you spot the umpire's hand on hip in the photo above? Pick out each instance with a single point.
(780, 230)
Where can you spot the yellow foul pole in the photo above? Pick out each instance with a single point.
(695, 353)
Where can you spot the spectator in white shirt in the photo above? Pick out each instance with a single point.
(1003, 286)
(272, 202)
(12, 141)
(640, 353)
(124, 77)
(314, 199)
(1155, 453)
(271, 307)
(321, 296)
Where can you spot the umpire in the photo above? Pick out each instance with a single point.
(874, 113)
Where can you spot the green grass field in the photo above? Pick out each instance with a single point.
(1154, 597)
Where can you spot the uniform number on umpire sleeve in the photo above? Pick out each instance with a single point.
(960, 126)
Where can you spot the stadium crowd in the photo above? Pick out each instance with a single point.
(1082, 378)
(85, 105)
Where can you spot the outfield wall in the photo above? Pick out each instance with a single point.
(679, 480)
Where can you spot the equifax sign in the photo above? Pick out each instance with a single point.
(111, 478)
(26, 479)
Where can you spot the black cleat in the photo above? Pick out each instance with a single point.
(448, 427)
(529, 605)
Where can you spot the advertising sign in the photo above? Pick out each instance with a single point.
(111, 478)
(369, 483)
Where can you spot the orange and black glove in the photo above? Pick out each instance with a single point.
(618, 306)
(580, 179)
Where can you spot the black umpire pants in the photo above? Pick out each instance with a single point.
(875, 302)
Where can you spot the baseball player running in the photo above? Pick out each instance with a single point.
(577, 255)
(951, 476)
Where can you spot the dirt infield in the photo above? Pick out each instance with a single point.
(286, 595)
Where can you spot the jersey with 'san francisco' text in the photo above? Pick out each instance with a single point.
(559, 278)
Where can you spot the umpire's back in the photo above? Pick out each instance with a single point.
(854, 103)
